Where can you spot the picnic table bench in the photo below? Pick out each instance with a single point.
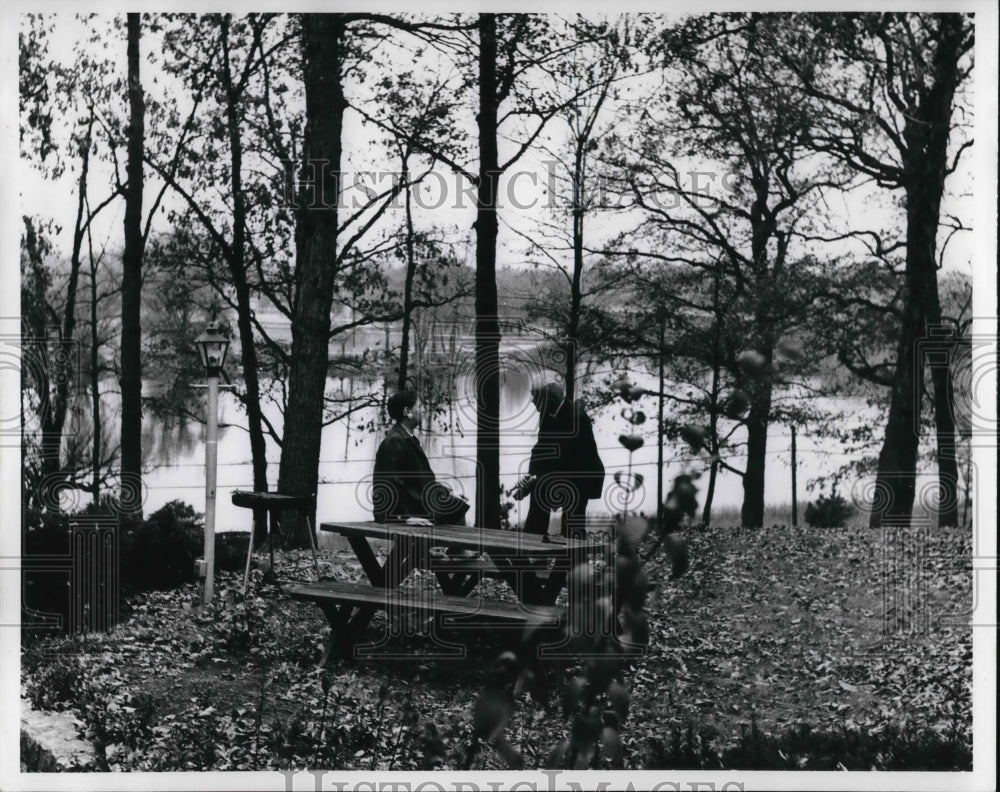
(350, 607)
(534, 567)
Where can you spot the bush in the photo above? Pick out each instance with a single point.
(828, 512)
(152, 554)
(160, 552)
(59, 549)
(163, 549)
(231, 551)
(45, 584)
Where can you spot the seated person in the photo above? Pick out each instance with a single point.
(404, 486)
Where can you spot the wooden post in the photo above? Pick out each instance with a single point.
(795, 495)
(211, 450)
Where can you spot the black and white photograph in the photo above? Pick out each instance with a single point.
(531, 397)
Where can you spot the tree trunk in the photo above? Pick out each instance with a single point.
(713, 416)
(316, 237)
(237, 270)
(487, 323)
(131, 364)
(713, 472)
(95, 383)
(795, 483)
(944, 420)
(760, 383)
(411, 268)
(575, 295)
(925, 168)
(930, 177)
(752, 513)
(758, 421)
(897, 461)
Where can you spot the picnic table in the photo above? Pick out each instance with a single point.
(535, 568)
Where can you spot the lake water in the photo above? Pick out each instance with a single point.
(347, 456)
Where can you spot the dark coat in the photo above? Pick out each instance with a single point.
(566, 451)
(405, 486)
(402, 477)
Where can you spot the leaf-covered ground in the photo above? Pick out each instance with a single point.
(834, 631)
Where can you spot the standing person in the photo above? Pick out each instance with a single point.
(565, 469)
(404, 486)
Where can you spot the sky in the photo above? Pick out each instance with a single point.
(525, 187)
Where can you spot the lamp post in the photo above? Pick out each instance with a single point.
(212, 346)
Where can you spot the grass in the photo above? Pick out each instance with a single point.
(777, 514)
(780, 514)
(782, 647)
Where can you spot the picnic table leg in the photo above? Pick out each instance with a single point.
(246, 572)
(345, 629)
(507, 575)
(458, 584)
(551, 588)
(446, 580)
(521, 574)
(270, 536)
(257, 513)
(471, 581)
(336, 615)
(369, 563)
(403, 557)
(312, 543)
(356, 626)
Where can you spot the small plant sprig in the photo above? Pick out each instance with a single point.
(383, 695)
(260, 717)
(326, 681)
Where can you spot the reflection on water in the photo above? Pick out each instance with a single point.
(166, 439)
(348, 453)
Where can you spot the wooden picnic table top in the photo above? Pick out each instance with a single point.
(462, 537)
(271, 500)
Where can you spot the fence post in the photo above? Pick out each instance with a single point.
(795, 495)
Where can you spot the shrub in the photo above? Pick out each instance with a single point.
(231, 551)
(156, 553)
(45, 591)
(828, 512)
(54, 545)
(160, 552)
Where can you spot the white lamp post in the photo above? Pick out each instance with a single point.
(212, 346)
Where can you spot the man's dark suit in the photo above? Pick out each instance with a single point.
(405, 486)
(567, 467)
